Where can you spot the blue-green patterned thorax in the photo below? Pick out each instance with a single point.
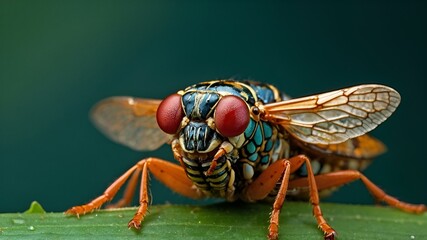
(254, 150)
(199, 100)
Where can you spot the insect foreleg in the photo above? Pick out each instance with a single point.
(172, 175)
(225, 147)
(128, 193)
(135, 222)
(273, 228)
(109, 193)
(335, 179)
(266, 182)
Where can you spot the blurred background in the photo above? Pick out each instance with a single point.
(58, 58)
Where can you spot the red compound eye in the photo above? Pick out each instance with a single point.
(231, 116)
(169, 114)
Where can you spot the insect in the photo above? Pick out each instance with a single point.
(248, 141)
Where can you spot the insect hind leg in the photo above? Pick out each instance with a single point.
(335, 179)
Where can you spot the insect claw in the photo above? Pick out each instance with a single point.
(273, 236)
(134, 225)
(73, 211)
(331, 236)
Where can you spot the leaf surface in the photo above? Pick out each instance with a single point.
(218, 221)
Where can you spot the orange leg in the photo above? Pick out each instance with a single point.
(129, 192)
(335, 179)
(109, 193)
(328, 231)
(143, 200)
(266, 182)
(273, 228)
(170, 174)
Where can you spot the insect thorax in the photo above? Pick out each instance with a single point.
(261, 143)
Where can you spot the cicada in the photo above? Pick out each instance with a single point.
(245, 140)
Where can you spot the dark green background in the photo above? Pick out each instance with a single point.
(58, 58)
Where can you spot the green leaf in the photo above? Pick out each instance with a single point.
(218, 221)
(35, 207)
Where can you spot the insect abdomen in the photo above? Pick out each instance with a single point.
(215, 184)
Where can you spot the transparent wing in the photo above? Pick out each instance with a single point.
(130, 121)
(334, 117)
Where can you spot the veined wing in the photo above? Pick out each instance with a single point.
(130, 121)
(334, 117)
